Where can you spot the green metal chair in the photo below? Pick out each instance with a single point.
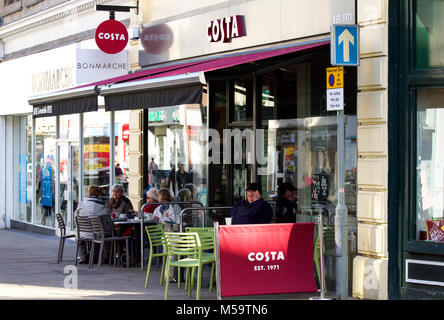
(206, 236)
(189, 251)
(157, 240)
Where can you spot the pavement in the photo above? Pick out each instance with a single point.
(29, 270)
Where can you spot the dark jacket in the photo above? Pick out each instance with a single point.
(285, 210)
(181, 179)
(123, 206)
(244, 212)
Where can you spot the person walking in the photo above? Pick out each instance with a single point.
(152, 169)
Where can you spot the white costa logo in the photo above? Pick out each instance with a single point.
(259, 256)
(112, 36)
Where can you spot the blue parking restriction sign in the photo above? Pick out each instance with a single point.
(345, 45)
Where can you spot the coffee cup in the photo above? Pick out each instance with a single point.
(228, 221)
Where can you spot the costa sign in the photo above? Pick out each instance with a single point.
(225, 29)
(266, 258)
(111, 36)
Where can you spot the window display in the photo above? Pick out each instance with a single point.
(23, 168)
(45, 137)
(430, 164)
(96, 151)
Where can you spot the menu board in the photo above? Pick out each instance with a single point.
(319, 187)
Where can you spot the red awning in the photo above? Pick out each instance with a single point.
(210, 64)
(155, 87)
(181, 84)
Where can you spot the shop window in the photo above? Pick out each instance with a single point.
(22, 168)
(121, 146)
(69, 166)
(176, 154)
(242, 97)
(430, 165)
(299, 139)
(219, 122)
(45, 155)
(96, 151)
(429, 43)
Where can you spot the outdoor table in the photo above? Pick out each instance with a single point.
(123, 221)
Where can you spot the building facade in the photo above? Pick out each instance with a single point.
(262, 82)
(49, 46)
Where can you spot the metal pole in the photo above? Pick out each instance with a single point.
(321, 254)
(341, 224)
(216, 242)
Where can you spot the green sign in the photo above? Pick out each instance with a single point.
(156, 116)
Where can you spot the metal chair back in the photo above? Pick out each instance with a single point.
(83, 225)
(202, 210)
(97, 227)
(61, 223)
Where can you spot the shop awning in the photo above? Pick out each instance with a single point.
(180, 85)
(84, 98)
(169, 85)
(76, 100)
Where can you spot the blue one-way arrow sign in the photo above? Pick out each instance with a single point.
(345, 45)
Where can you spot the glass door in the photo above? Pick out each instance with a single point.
(241, 167)
(68, 182)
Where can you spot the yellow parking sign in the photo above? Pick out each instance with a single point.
(335, 78)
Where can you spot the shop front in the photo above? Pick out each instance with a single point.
(214, 110)
(53, 155)
(416, 182)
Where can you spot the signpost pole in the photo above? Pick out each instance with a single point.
(216, 242)
(341, 224)
(344, 52)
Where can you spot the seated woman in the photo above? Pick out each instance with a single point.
(151, 196)
(167, 214)
(118, 203)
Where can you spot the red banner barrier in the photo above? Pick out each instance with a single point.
(266, 259)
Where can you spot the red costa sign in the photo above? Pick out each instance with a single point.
(225, 29)
(266, 259)
(156, 39)
(111, 36)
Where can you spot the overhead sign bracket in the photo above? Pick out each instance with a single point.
(112, 9)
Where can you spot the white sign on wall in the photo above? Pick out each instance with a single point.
(94, 65)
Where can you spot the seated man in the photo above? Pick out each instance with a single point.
(254, 210)
(285, 204)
